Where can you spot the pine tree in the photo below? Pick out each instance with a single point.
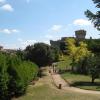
(94, 17)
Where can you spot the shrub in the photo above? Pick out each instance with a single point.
(15, 75)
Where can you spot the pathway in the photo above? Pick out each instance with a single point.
(57, 79)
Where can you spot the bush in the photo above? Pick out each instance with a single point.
(15, 75)
(4, 77)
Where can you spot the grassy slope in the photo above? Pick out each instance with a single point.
(44, 92)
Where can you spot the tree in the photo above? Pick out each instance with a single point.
(42, 54)
(95, 18)
(20, 54)
(94, 67)
(81, 58)
(94, 45)
(72, 49)
(77, 53)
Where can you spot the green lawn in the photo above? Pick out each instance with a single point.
(45, 92)
(81, 81)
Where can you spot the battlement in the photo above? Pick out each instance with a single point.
(80, 34)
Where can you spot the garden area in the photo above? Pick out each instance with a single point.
(44, 89)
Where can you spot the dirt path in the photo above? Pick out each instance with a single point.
(53, 80)
(46, 79)
(57, 79)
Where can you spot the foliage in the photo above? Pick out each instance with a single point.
(28, 71)
(83, 61)
(15, 75)
(77, 53)
(94, 67)
(81, 58)
(93, 45)
(72, 50)
(95, 18)
(42, 54)
(20, 53)
(64, 63)
(4, 78)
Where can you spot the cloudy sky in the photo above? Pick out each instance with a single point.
(24, 22)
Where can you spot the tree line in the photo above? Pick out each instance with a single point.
(85, 59)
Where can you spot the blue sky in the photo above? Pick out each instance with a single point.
(24, 22)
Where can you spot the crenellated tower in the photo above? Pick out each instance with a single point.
(80, 35)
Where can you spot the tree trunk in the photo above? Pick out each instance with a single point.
(72, 69)
(93, 79)
(73, 60)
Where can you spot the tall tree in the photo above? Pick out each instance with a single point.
(76, 52)
(94, 17)
(72, 49)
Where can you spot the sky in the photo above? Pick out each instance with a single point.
(25, 22)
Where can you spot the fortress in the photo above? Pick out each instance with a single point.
(60, 44)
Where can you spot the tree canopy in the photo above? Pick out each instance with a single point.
(94, 17)
(42, 54)
(77, 53)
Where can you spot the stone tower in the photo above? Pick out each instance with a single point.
(80, 35)
(1, 48)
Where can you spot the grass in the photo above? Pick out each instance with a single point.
(81, 81)
(45, 92)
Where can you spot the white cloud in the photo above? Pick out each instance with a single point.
(46, 41)
(24, 43)
(7, 7)
(28, 42)
(9, 31)
(14, 31)
(2, 1)
(56, 28)
(82, 22)
(10, 46)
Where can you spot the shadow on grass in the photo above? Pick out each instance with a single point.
(81, 83)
